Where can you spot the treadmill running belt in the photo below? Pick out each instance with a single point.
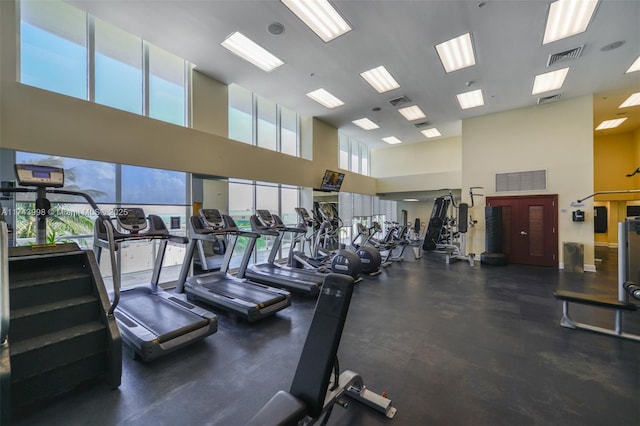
(286, 274)
(246, 292)
(158, 315)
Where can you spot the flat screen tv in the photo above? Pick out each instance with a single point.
(331, 181)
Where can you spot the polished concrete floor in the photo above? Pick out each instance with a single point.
(449, 344)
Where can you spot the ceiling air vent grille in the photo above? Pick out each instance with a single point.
(422, 124)
(564, 56)
(399, 101)
(521, 181)
(548, 99)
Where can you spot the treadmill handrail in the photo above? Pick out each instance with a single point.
(4, 282)
(114, 269)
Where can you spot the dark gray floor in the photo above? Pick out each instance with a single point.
(450, 344)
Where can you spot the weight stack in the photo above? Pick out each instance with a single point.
(493, 238)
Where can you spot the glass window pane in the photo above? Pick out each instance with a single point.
(240, 114)
(267, 124)
(267, 198)
(143, 185)
(288, 132)
(344, 153)
(355, 156)
(118, 68)
(364, 159)
(53, 47)
(241, 204)
(289, 202)
(167, 92)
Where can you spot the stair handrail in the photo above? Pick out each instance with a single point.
(4, 282)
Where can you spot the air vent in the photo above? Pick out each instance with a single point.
(564, 56)
(422, 124)
(521, 181)
(399, 101)
(548, 99)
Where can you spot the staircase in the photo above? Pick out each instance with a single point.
(60, 336)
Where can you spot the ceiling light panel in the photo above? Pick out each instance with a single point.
(431, 133)
(325, 98)
(610, 124)
(366, 124)
(456, 53)
(632, 100)
(567, 18)
(392, 140)
(380, 79)
(635, 66)
(470, 99)
(549, 81)
(320, 17)
(412, 113)
(251, 51)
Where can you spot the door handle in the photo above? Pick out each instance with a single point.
(523, 233)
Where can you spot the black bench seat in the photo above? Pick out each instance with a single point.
(600, 301)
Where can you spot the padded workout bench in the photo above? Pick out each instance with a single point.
(601, 302)
(315, 390)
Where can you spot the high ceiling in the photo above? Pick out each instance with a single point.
(507, 38)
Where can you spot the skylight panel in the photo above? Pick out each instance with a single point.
(252, 52)
(567, 18)
(456, 53)
(320, 17)
(325, 98)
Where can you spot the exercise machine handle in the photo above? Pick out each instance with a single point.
(4, 282)
(114, 267)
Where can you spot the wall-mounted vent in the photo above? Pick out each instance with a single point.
(521, 181)
(564, 56)
(399, 101)
(548, 99)
(422, 124)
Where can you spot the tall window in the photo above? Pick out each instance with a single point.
(276, 127)
(167, 93)
(353, 155)
(53, 49)
(364, 159)
(55, 41)
(118, 68)
(343, 160)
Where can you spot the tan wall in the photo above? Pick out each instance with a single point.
(556, 137)
(209, 105)
(614, 158)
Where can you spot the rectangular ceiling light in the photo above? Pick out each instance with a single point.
(412, 113)
(392, 140)
(567, 18)
(252, 52)
(635, 66)
(320, 16)
(470, 99)
(456, 53)
(549, 81)
(610, 124)
(410, 199)
(431, 133)
(632, 100)
(325, 98)
(366, 124)
(380, 79)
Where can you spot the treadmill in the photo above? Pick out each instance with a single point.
(249, 300)
(152, 322)
(308, 282)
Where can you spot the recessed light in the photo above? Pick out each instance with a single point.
(250, 51)
(456, 53)
(366, 124)
(320, 17)
(567, 18)
(410, 199)
(635, 66)
(325, 98)
(610, 124)
(470, 99)
(380, 79)
(412, 113)
(431, 133)
(392, 140)
(549, 81)
(632, 100)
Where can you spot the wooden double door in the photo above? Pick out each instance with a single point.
(529, 228)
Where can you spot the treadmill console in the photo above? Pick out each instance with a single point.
(42, 176)
(212, 218)
(132, 219)
(266, 217)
